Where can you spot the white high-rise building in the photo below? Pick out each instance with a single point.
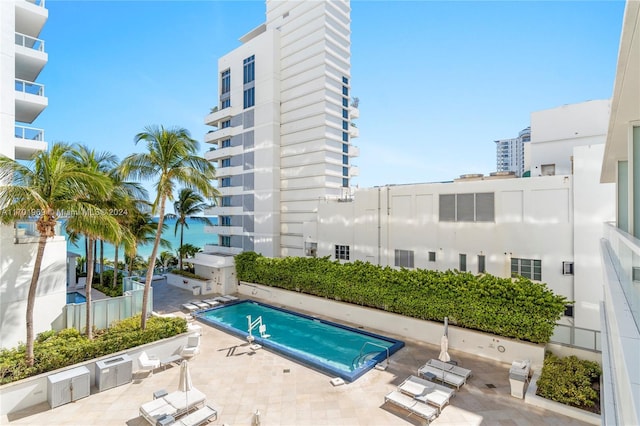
(283, 128)
(510, 153)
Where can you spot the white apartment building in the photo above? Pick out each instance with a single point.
(545, 228)
(510, 153)
(620, 247)
(22, 99)
(283, 127)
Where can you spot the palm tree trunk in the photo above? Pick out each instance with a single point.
(101, 262)
(152, 262)
(181, 243)
(115, 266)
(95, 254)
(31, 298)
(90, 269)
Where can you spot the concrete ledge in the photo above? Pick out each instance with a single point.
(531, 398)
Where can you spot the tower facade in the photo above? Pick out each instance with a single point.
(283, 128)
(510, 153)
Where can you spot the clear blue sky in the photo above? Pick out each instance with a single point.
(438, 82)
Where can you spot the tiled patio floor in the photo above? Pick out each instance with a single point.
(239, 382)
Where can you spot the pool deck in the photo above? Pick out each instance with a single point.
(238, 382)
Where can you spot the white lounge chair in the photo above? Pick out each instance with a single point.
(432, 373)
(192, 347)
(426, 391)
(148, 363)
(452, 368)
(174, 404)
(412, 405)
(190, 307)
(199, 304)
(199, 417)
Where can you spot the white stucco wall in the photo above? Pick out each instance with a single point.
(16, 266)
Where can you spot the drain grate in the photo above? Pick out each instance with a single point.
(286, 370)
(490, 386)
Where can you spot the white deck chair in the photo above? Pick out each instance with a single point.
(412, 405)
(199, 417)
(192, 347)
(148, 363)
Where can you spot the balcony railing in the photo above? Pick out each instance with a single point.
(29, 133)
(626, 249)
(37, 2)
(29, 87)
(29, 42)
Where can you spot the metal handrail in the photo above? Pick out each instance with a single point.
(29, 42)
(29, 87)
(378, 345)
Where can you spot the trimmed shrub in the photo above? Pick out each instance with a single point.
(188, 274)
(516, 308)
(570, 381)
(54, 350)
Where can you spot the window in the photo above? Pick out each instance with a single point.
(225, 79)
(345, 137)
(225, 220)
(226, 103)
(462, 262)
(249, 69)
(345, 171)
(345, 90)
(225, 240)
(225, 124)
(249, 98)
(345, 125)
(548, 169)
(226, 143)
(567, 268)
(342, 252)
(345, 80)
(345, 102)
(481, 264)
(528, 268)
(225, 201)
(345, 113)
(345, 148)
(345, 159)
(225, 182)
(432, 256)
(226, 162)
(345, 182)
(473, 207)
(404, 258)
(568, 310)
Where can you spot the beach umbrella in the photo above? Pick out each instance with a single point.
(185, 384)
(444, 345)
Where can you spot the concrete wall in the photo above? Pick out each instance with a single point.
(16, 268)
(31, 391)
(485, 345)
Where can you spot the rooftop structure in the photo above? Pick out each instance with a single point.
(510, 153)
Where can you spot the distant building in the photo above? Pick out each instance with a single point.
(283, 127)
(510, 153)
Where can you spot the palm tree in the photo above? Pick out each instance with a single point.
(187, 206)
(166, 259)
(42, 189)
(143, 230)
(99, 228)
(171, 159)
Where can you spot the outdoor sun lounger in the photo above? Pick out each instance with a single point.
(174, 404)
(211, 302)
(452, 368)
(427, 391)
(222, 299)
(432, 372)
(199, 304)
(412, 405)
(190, 307)
(199, 417)
(231, 298)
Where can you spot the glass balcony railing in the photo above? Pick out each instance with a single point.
(626, 262)
(29, 133)
(29, 87)
(30, 42)
(37, 2)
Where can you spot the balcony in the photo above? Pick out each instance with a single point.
(229, 171)
(30, 100)
(354, 171)
(216, 135)
(31, 15)
(224, 230)
(216, 248)
(30, 57)
(224, 211)
(219, 153)
(354, 112)
(219, 115)
(28, 141)
(354, 151)
(354, 132)
(27, 232)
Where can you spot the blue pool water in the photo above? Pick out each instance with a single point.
(332, 348)
(76, 298)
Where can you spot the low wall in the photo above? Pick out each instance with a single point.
(33, 390)
(564, 351)
(484, 345)
(200, 286)
(530, 397)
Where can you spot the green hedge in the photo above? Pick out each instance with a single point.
(53, 350)
(187, 274)
(571, 381)
(517, 308)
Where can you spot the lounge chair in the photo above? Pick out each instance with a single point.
(148, 363)
(412, 405)
(199, 304)
(174, 404)
(190, 307)
(192, 347)
(231, 298)
(426, 391)
(430, 372)
(452, 368)
(212, 303)
(199, 417)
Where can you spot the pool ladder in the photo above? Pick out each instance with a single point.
(262, 328)
(378, 366)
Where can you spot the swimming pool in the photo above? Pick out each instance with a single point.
(332, 348)
(76, 297)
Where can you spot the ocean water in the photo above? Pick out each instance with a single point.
(193, 235)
